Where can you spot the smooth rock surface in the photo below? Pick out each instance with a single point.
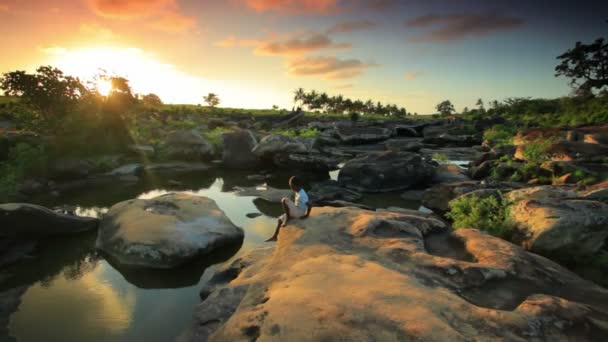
(165, 231)
(237, 148)
(354, 275)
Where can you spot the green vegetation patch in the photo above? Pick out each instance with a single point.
(490, 214)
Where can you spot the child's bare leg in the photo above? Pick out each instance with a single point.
(276, 232)
(286, 210)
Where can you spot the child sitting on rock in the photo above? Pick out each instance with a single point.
(300, 207)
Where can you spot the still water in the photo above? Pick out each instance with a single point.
(74, 294)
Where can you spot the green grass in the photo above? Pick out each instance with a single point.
(214, 137)
(490, 214)
(8, 99)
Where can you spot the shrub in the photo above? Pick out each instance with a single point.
(354, 117)
(440, 157)
(485, 213)
(537, 151)
(214, 137)
(500, 135)
(25, 161)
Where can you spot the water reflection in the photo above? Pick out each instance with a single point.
(75, 294)
(186, 275)
(88, 308)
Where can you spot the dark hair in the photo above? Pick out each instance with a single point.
(295, 181)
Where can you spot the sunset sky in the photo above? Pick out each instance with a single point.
(253, 53)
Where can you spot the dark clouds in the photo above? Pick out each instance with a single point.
(327, 67)
(450, 27)
(351, 26)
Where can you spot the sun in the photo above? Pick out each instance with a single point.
(104, 87)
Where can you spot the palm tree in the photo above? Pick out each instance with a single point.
(323, 101)
(298, 96)
(369, 106)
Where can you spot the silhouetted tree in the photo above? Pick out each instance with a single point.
(49, 90)
(586, 65)
(152, 100)
(212, 100)
(445, 108)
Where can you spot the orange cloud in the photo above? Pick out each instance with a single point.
(299, 45)
(351, 26)
(293, 6)
(327, 67)
(164, 14)
(3, 8)
(413, 75)
(344, 86)
(125, 9)
(173, 22)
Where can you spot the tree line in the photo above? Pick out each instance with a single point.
(316, 101)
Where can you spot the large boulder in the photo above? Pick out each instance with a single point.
(188, 145)
(568, 227)
(33, 221)
(350, 134)
(237, 148)
(357, 275)
(331, 190)
(69, 169)
(407, 145)
(274, 144)
(309, 162)
(386, 171)
(165, 231)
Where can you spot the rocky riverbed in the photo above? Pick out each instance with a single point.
(377, 260)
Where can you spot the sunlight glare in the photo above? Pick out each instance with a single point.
(146, 74)
(104, 87)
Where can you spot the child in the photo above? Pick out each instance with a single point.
(296, 209)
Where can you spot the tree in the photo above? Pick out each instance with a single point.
(479, 104)
(586, 65)
(49, 90)
(298, 96)
(152, 100)
(212, 100)
(445, 108)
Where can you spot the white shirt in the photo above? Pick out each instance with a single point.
(301, 199)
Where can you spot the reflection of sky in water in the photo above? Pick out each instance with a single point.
(99, 304)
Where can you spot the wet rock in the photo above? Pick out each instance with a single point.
(165, 231)
(253, 215)
(386, 171)
(69, 169)
(377, 277)
(24, 220)
(237, 148)
(569, 227)
(127, 170)
(31, 187)
(188, 145)
(350, 134)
